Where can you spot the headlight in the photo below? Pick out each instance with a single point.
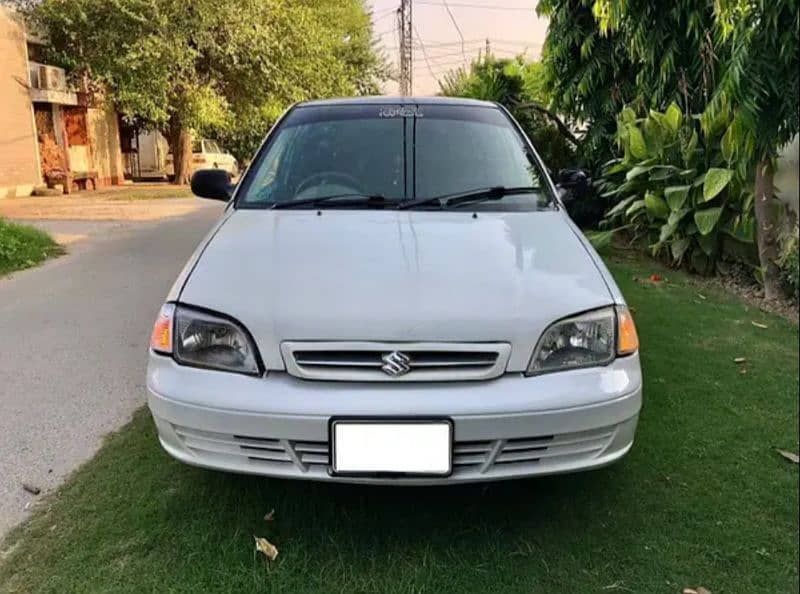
(201, 339)
(585, 340)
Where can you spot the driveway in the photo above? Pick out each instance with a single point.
(73, 342)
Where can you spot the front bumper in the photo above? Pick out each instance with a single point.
(510, 427)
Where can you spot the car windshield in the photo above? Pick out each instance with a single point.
(399, 153)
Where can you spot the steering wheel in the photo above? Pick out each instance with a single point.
(343, 179)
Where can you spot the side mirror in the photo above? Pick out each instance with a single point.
(573, 184)
(214, 184)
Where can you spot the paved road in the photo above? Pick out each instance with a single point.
(73, 343)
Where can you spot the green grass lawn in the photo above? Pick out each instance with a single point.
(22, 246)
(702, 499)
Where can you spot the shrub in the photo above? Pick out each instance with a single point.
(673, 189)
(789, 262)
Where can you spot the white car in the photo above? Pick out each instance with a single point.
(207, 154)
(394, 294)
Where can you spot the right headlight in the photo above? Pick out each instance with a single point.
(200, 338)
(587, 340)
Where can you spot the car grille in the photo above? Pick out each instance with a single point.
(382, 362)
(470, 458)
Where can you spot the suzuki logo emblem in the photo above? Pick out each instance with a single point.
(396, 363)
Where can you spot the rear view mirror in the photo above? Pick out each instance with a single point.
(214, 184)
(573, 184)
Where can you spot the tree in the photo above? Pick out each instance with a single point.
(517, 85)
(730, 59)
(760, 84)
(185, 67)
(602, 55)
(588, 76)
(364, 67)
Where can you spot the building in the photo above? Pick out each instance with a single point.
(50, 132)
(20, 169)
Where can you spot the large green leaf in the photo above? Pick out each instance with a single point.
(601, 239)
(707, 243)
(663, 172)
(667, 230)
(620, 206)
(728, 145)
(673, 117)
(742, 228)
(638, 146)
(615, 168)
(715, 181)
(707, 219)
(627, 115)
(679, 247)
(676, 196)
(656, 207)
(653, 136)
(672, 224)
(688, 150)
(634, 208)
(637, 171)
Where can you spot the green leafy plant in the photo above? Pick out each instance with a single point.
(673, 188)
(789, 262)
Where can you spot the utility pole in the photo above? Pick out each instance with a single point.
(404, 26)
(488, 47)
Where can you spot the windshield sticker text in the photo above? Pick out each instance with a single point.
(400, 111)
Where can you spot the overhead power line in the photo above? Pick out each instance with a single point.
(424, 52)
(468, 5)
(455, 24)
(383, 16)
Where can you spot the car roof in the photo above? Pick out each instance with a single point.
(388, 100)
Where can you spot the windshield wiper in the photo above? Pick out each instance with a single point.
(371, 201)
(477, 195)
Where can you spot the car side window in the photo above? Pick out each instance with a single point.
(266, 175)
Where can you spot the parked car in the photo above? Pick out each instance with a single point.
(394, 294)
(207, 154)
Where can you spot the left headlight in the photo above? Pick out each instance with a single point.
(202, 339)
(586, 340)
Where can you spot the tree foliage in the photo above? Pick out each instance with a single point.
(604, 54)
(588, 75)
(201, 65)
(731, 60)
(517, 85)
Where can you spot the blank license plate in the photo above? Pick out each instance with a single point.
(367, 447)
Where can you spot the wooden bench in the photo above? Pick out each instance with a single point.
(67, 178)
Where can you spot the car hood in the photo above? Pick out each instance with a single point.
(396, 276)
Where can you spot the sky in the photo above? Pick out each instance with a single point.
(511, 26)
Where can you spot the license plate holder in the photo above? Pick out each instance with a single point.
(391, 447)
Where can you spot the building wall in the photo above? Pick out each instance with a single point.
(105, 145)
(153, 149)
(19, 157)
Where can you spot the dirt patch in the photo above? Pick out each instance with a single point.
(68, 238)
(117, 205)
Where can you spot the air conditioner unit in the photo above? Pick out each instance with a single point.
(52, 78)
(33, 75)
